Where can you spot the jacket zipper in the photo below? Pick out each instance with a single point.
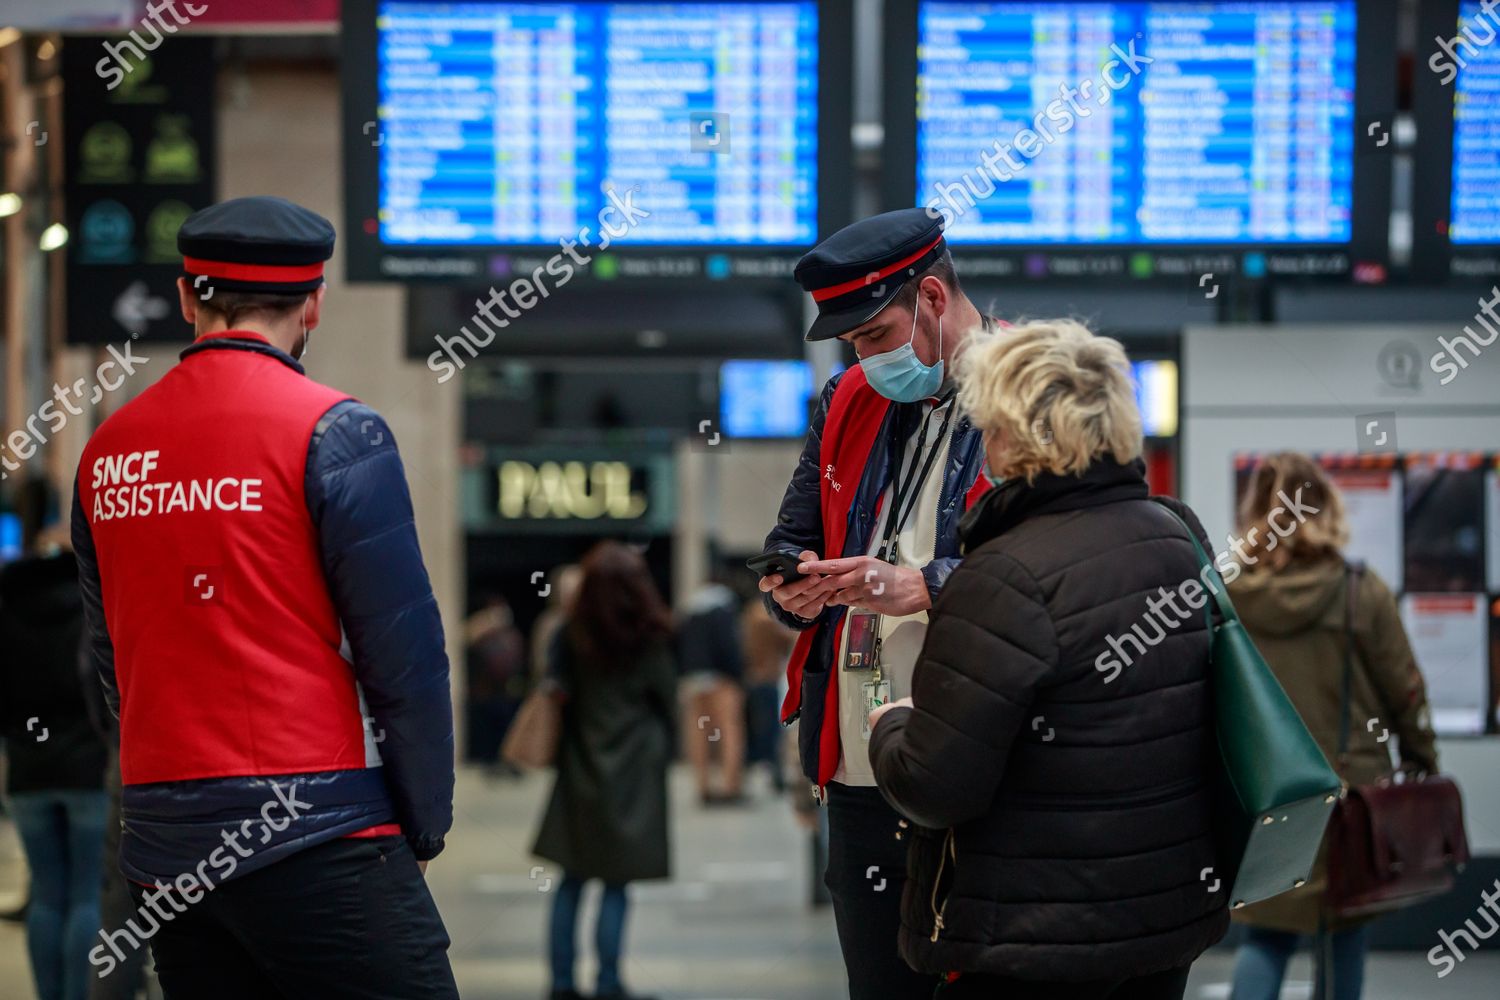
(950, 849)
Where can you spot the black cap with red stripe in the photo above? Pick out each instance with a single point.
(260, 244)
(860, 269)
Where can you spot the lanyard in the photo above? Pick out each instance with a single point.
(908, 488)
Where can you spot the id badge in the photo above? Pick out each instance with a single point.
(862, 643)
(876, 693)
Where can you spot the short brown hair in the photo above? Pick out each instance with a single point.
(235, 306)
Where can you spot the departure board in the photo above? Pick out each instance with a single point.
(1138, 123)
(518, 124)
(1475, 214)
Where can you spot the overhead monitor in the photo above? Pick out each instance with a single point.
(1456, 195)
(675, 139)
(1145, 139)
(766, 398)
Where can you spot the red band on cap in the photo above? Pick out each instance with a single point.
(267, 273)
(834, 291)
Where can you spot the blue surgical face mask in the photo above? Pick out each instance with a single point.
(899, 375)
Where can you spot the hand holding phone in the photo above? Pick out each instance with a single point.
(802, 595)
(781, 561)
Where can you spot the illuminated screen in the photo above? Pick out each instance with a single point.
(10, 538)
(1156, 396)
(509, 124)
(765, 399)
(1138, 123)
(1475, 214)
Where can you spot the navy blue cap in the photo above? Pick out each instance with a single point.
(260, 244)
(860, 269)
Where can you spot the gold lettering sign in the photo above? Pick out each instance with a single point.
(584, 490)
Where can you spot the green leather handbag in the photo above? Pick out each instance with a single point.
(1276, 790)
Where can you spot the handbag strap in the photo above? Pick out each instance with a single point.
(1353, 571)
(1212, 580)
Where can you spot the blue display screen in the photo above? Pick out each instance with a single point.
(764, 399)
(510, 124)
(10, 538)
(1138, 123)
(1475, 214)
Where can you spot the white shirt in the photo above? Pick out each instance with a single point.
(900, 636)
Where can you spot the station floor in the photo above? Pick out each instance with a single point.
(734, 923)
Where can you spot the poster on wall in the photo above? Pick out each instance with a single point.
(1372, 487)
(1444, 523)
(140, 159)
(1450, 637)
(1492, 522)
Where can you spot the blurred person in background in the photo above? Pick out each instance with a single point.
(1293, 600)
(607, 818)
(560, 600)
(768, 644)
(55, 778)
(496, 668)
(712, 661)
(1063, 814)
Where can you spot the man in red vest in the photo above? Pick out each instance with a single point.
(258, 610)
(887, 472)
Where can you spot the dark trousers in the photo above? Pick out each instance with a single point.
(349, 918)
(123, 980)
(1168, 985)
(866, 873)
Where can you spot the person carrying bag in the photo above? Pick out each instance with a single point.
(1335, 641)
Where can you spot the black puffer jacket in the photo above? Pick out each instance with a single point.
(44, 716)
(1067, 808)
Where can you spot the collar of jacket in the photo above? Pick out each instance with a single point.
(1002, 508)
(241, 340)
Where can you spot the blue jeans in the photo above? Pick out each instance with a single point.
(1261, 964)
(609, 935)
(62, 833)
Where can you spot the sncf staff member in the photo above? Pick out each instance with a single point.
(889, 466)
(1066, 816)
(282, 656)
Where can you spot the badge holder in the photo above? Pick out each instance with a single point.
(862, 654)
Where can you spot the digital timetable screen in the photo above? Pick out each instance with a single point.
(1138, 123)
(1474, 218)
(516, 124)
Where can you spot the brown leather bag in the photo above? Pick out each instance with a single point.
(532, 739)
(1392, 843)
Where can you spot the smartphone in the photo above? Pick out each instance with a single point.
(782, 561)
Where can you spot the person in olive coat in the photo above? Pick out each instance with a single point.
(1293, 600)
(607, 819)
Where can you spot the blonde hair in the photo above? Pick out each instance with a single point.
(1321, 534)
(1060, 396)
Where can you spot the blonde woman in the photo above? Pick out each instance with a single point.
(1293, 599)
(1056, 750)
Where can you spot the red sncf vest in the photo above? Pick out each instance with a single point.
(226, 641)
